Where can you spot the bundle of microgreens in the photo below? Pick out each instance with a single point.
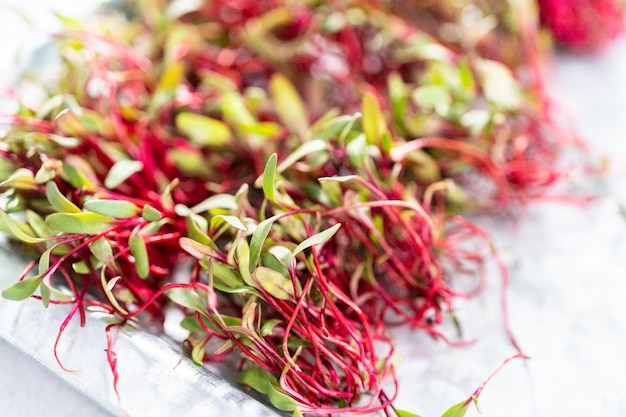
(311, 158)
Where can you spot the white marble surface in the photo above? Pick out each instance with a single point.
(568, 270)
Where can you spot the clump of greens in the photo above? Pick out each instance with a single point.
(312, 161)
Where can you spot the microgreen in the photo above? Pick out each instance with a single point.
(23, 289)
(120, 172)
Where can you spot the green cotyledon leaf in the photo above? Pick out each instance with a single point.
(121, 171)
(231, 220)
(404, 413)
(289, 106)
(120, 209)
(84, 223)
(151, 214)
(22, 179)
(374, 124)
(13, 227)
(58, 201)
(269, 178)
(203, 130)
(316, 239)
(188, 298)
(140, 253)
(457, 410)
(22, 289)
(264, 382)
(279, 399)
(258, 239)
(273, 282)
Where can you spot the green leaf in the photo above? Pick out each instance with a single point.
(101, 249)
(108, 290)
(281, 253)
(269, 177)
(279, 399)
(75, 175)
(70, 23)
(466, 77)
(231, 220)
(264, 382)
(341, 178)
(140, 252)
(373, 120)
(64, 141)
(288, 104)
(120, 209)
(198, 351)
(21, 179)
(196, 249)
(58, 201)
(22, 290)
(243, 261)
(268, 326)
(44, 292)
(357, 150)
(38, 224)
(265, 129)
(153, 227)
(92, 121)
(457, 410)
(228, 345)
(191, 323)
(227, 280)
(434, 97)
(44, 261)
(187, 298)
(309, 147)
(403, 413)
(189, 160)
(476, 120)
(49, 105)
(257, 378)
(222, 201)
(15, 230)
(81, 268)
(424, 165)
(249, 314)
(258, 239)
(203, 130)
(332, 128)
(45, 174)
(121, 171)
(424, 47)
(498, 83)
(273, 282)
(84, 223)
(196, 233)
(151, 214)
(68, 122)
(235, 111)
(316, 239)
(171, 77)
